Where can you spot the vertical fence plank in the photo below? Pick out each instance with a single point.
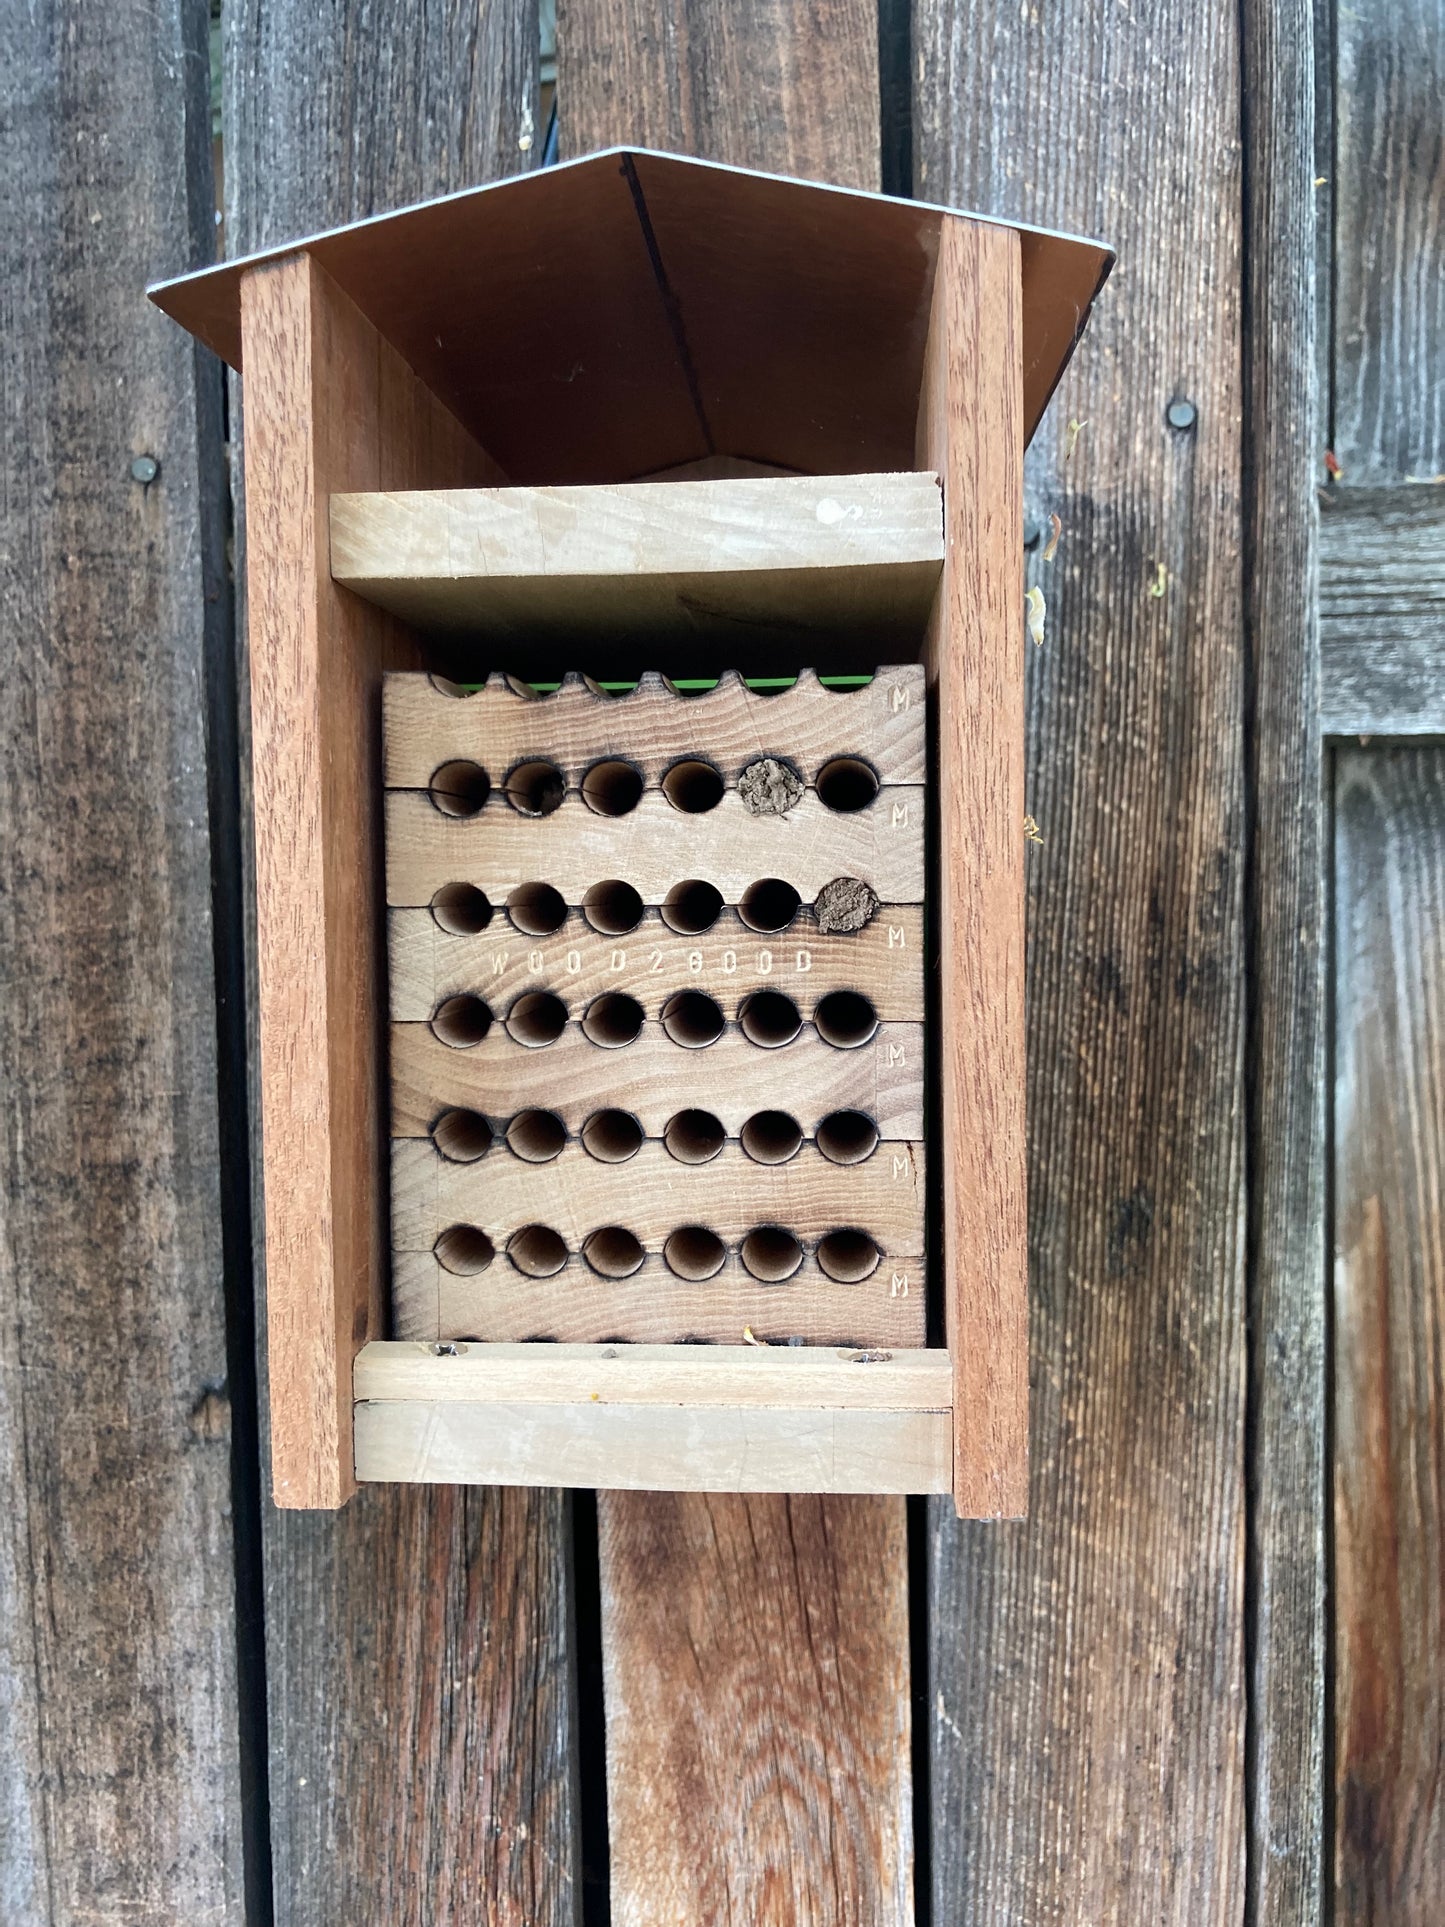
(1389, 1296)
(420, 1687)
(1087, 1668)
(120, 1777)
(756, 1650)
(1285, 1600)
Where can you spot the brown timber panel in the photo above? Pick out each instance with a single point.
(1389, 1297)
(120, 1785)
(763, 85)
(1087, 1692)
(416, 1625)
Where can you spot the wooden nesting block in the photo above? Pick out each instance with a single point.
(657, 997)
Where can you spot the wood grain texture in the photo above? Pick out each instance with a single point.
(793, 1639)
(120, 1782)
(655, 1308)
(1285, 1598)
(653, 1077)
(730, 725)
(429, 964)
(775, 1792)
(360, 1604)
(1382, 611)
(329, 404)
(730, 1194)
(628, 1448)
(970, 429)
(1087, 1675)
(1389, 197)
(654, 847)
(1389, 1299)
(717, 559)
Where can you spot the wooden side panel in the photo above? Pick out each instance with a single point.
(1087, 1693)
(756, 1649)
(1389, 1298)
(120, 1777)
(329, 405)
(970, 429)
(1382, 611)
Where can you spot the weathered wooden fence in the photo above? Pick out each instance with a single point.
(1203, 1682)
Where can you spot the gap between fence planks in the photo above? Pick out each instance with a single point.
(755, 1650)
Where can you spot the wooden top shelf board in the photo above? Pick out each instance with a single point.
(855, 553)
(631, 311)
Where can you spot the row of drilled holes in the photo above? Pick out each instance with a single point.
(692, 1252)
(846, 1019)
(614, 788)
(613, 908)
(691, 1136)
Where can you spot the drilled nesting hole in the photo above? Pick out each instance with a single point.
(612, 1137)
(692, 907)
(613, 1252)
(536, 909)
(692, 1018)
(846, 1019)
(535, 788)
(612, 908)
(459, 788)
(536, 1136)
(848, 1256)
(771, 1254)
(464, 1250)
(694, 1137)
(769, 905)
(694, 1253)
(462, 1136)
(612, 1020)
(461, 909)
(769, 1018)
(846, 784)
(461, 1021)
(537, 1019)
(771, 1137)
(693, 786)
(537, 1251)
(612, 788)
(847, 1137)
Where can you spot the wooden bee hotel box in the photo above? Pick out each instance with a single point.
(634, 563)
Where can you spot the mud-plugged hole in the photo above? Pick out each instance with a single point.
(847, 1137)
(848, 1257)
(612, 788)
(613, 1252)
(612, 1137)
(536, 909)
(846, 784)
(537, 1251)
(536, 1019)
(461, 909)
(459, 788)
(769, 905)
(845, 1019)
(612, 908)
(692, 1018)
(771, 1254)
(693, 786)
(461, 1137)
(612, 1020)
(535, 788)
(771, 1137)
(692, 907)
(536, 1136)
(461, 1021)
(464, 1250)
(694, 1253)
(694, 1137)
(769, 1019)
